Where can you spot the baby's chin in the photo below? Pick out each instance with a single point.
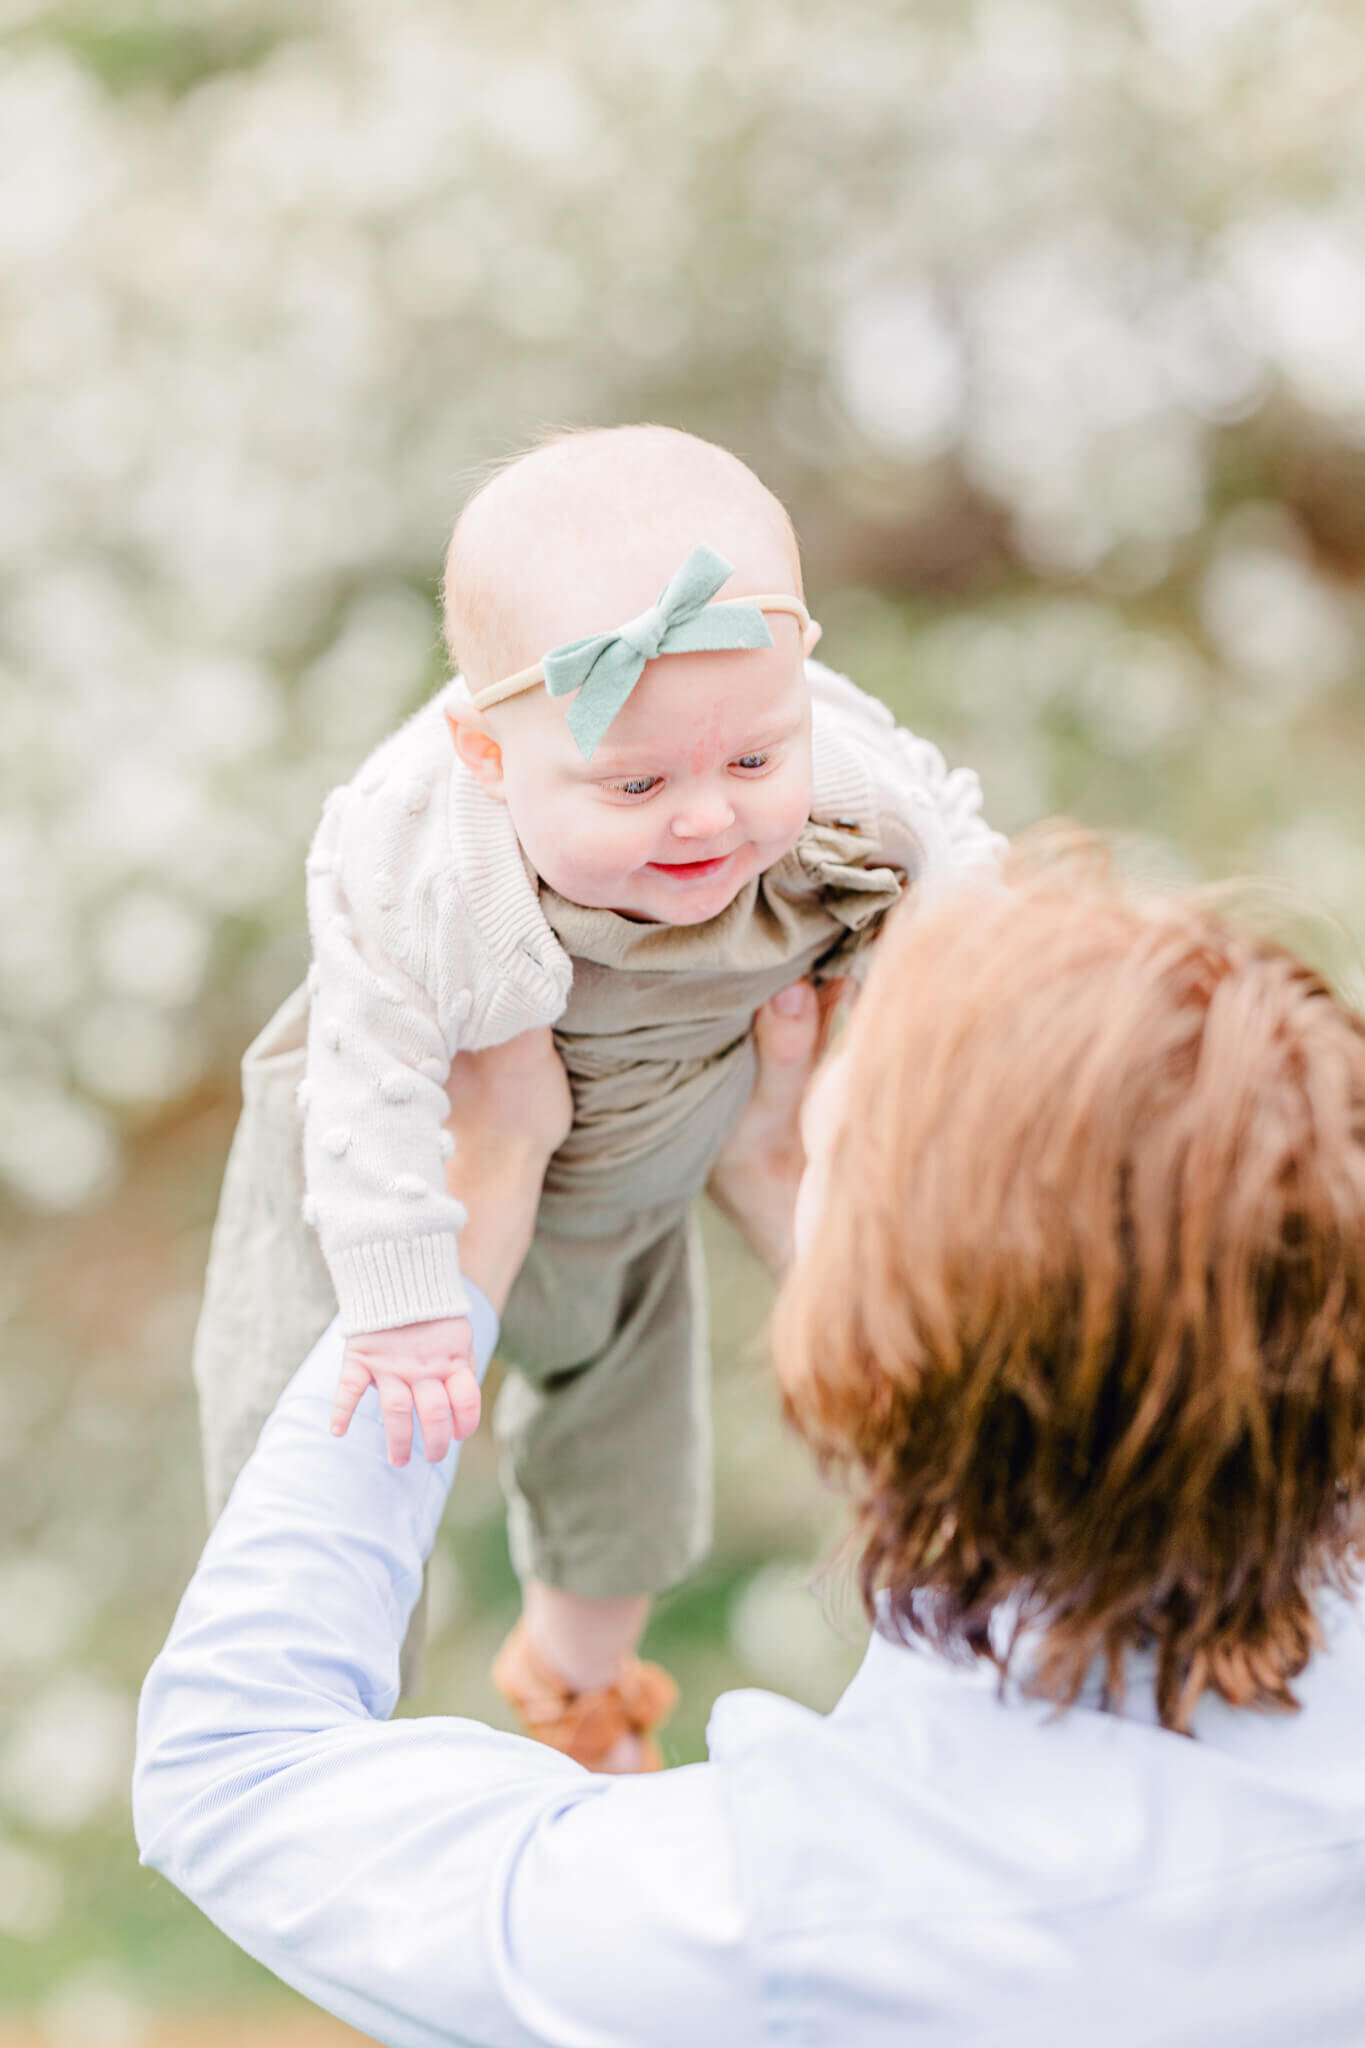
(699, 915)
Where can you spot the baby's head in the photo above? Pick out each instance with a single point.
(702, 778)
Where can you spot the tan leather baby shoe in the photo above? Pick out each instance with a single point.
(585, 1725)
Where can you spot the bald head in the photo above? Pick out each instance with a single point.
(583, 532)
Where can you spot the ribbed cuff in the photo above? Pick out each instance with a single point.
(393, 1281)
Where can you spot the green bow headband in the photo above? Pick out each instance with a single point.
(605, 668)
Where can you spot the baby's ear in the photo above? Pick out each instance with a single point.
(476, 747)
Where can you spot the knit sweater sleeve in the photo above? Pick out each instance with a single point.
(926, 815)
(379, 1053)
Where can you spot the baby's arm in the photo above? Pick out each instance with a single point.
(912, 789)
(953, 796)
(374, 1151)
(509, 1105)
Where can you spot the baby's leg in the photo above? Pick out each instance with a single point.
(267, 1293)
(583, 1639)
(606, 1452)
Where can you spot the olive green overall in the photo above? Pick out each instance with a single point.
(603, 1426)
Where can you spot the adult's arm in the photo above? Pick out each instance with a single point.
(434, 1880)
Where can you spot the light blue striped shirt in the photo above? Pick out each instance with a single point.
(930, 1864)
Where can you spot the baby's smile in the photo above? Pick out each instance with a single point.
(690, 870)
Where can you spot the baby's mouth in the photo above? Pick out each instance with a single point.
(690, 870)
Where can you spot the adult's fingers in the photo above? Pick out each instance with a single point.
(835, 998)
(754, 1179)
(787, 1038)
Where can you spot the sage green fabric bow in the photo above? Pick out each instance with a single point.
(605, 668)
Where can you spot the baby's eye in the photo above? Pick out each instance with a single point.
(751, 761)
(639, 785)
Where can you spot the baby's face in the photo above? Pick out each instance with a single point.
(700, 782)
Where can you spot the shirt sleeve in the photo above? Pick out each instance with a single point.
(429, 1880)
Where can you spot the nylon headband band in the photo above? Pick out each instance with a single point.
(529, 678)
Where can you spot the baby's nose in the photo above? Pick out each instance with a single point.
(703, 817)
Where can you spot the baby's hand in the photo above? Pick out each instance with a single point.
(427, 1366)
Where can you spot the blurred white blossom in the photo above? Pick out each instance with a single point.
(1323, 860)
(1270, 617)
(1146, 693)
(32, 1893)
(94, 2007)
(900, 372)
(351, 694)
(149, 945)
(42, 1611)
(134, 1052)
(781, 1630)
(56, 1151)
(1303, 279)
(267, 314)
(68, 1755)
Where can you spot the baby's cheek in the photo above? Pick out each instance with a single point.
(568, 839)
(785, 812)
(583, 863)
(620, 839)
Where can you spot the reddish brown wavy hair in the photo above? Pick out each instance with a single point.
(1085, 1324)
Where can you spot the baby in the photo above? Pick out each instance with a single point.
(637, 813)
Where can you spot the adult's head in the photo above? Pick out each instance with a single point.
(1083, 1323)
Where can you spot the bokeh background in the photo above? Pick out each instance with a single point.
(1047, 319)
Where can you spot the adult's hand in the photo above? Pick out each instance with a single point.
(510, 1107)
(757, 1173)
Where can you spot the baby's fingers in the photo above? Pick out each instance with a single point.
(466, 1402)
(433, 1412)
(395, 1405)
(355, 1378)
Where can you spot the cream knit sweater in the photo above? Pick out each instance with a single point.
(428, 940)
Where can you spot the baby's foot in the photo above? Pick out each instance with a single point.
(630, 1753)
(607, 1729)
